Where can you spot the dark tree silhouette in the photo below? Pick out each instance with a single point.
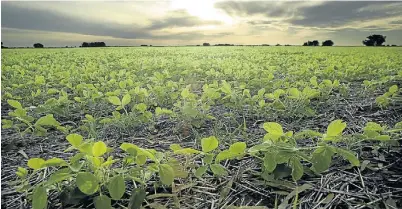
(93, 44)
(206, 44)
(311, 43)
(374, 40)
(38, 45)
(328, 43)
(224, 44)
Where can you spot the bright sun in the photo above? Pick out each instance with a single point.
(203, 9)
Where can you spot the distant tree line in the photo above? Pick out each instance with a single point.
(3, 47)
(224, 44)
(93, 44)
(38, 45)
(374, 40)
(311, 43)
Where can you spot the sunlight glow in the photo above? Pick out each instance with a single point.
(203, 9)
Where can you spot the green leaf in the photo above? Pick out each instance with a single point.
(75, 140)
(114, 100)
(21, 172)
(185, 93)
(224, 155)
(187, 151)
(322, 158)
(141, 159)
(141, 107)
(36, 163)
(348, 155)
(371, 134)
(383, 138)
(58, 177)
(371, 126)
(87, 183)
(313, 81)
(218, 170)
(294, 93)
(259, 148)
(398, 125)
(99, 148)
(289, 134)
(39, 198)
(335, 128)
(179, 170)
(55, 162)
(238, 148)
(166, 174)
(76, 166)
(328, 198)
(86, 148)
(137, 197)
(109, 162)
(117, 187)
(270, 161)
(209, 144)
(125, 146)
(7, 123)
(261, 103)
(226, 88)
(175, 147)
(208, 158)
(126, 99)
(200, 171)
(393, 89)
(47, 120)
(14, 103)
(102, 202)
(297, 169)
(133, 152)
(273, 128)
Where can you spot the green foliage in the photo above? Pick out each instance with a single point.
(236, 150)
(201, 171)
(127, 89)
(209, 144)
(87, 183)
(75, 140)
(137, 197)
(166, 174)
(334, 130)
(116, 187)
(218, 170)
(14, 103)
(99, 148)
(388, 97)
(102, 202)
(39, 198)
(322, 158)
(274, 130)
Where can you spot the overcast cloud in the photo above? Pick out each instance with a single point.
(184, 22)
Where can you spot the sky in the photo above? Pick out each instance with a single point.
(189, 22)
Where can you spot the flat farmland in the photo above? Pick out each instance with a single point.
(201, 127)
